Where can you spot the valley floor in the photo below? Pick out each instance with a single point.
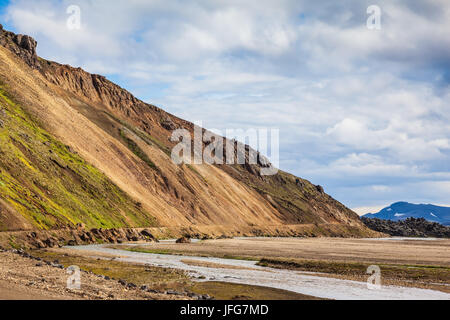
(404, 263)
(426, 251)
(23, 278)
(42, 275)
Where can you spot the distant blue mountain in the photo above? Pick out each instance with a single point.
(402, 210)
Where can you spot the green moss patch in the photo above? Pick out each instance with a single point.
(53, 187)
(136, 150)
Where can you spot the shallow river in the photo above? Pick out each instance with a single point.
(301, 282)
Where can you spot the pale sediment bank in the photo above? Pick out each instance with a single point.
(247, 272)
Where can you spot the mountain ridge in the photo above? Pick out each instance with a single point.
(402, 210)
(128, 141)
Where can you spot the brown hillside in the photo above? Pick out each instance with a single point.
(126, 143)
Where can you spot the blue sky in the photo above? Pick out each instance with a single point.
(3, 6)
(364, 113)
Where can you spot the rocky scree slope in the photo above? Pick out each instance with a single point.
(79, 149)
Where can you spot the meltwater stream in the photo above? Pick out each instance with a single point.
(251, 274)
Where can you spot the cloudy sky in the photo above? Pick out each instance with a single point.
(363, 112)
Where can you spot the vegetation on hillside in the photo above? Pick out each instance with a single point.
(50, 185)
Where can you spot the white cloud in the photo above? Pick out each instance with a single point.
(358, 109)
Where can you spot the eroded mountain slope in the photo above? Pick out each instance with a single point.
(44, 184)
(128, 141)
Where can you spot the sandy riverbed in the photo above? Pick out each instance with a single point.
(247, 272)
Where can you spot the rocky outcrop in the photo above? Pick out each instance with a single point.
(148, 118)
(410, 227)
(22, 45)
(168, 124)
(80, 236)
(320, 189)
(184, 240)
